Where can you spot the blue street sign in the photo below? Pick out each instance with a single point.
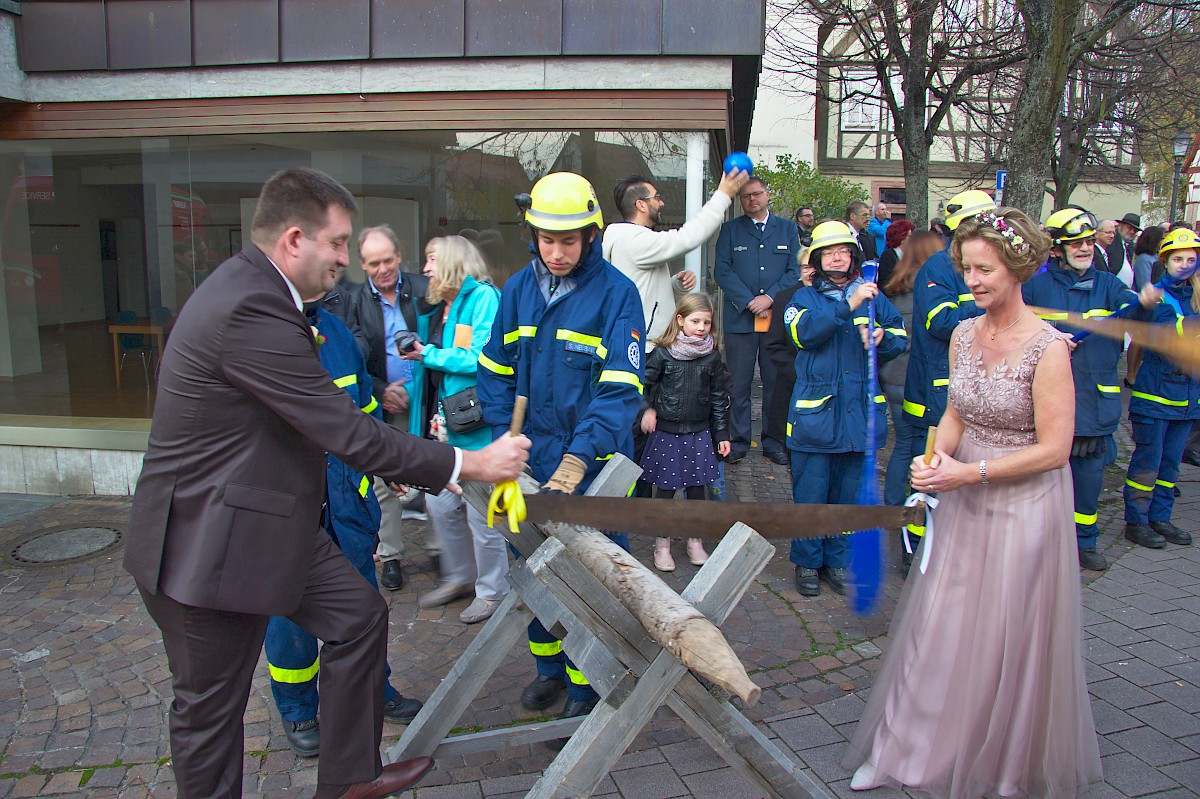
(1001, 179)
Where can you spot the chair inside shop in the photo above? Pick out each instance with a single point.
(134, 344)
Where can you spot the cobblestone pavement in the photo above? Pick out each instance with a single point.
(84, 685)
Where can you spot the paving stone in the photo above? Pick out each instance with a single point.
(649, 782)
(1133, 777)
(1138, 672)
(720, 784)
(1168, 719)
(1122, 693)
(1151, 746)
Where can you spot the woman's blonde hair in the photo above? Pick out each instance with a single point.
(1019, 240)
(688, 305)
(456, 258)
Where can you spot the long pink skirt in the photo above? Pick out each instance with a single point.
(982, 690)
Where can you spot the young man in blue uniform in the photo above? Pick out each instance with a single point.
(827, 420)
(569, 335)
(940, 301)
(756, 259)
(351, 517)
(1072, 283)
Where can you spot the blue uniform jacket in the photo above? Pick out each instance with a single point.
(750, 264)
(351, 506)
(1094, 362)
(940, 301)
(1162, 390)
(829, 405)
(579, 359)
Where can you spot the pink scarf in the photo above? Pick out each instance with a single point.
(689, 348)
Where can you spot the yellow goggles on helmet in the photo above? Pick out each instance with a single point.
(1079, 226)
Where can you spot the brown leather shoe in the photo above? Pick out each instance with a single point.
(394, 778)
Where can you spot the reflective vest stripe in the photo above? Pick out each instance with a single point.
(581, 338)
(1097, 312)
(1053, 317)
(1137, 486)
(545, 650)
(620, 376)
(1164, 484)
(1108, 389)
(364, 485)
(293, 676)
(916, 529)
(789, 429)
(860, 320)
(897, 331)
(880, 398)
(371, 406)
(524, 331)
(1083, 518)
(1161, 400)
(937, 310)
(968, 297)
(813, 403)
(492, 366)
(348, 380)
(914, 409)
(938, 382)
(576, 676)
(792, 327)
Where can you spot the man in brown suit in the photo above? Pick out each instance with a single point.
(225, 528)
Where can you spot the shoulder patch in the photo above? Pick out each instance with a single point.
(790, 314)
(635, 354)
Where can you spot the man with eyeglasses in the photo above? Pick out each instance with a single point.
(643, 254)
(858, 217)
(756, 259)
(805, 222)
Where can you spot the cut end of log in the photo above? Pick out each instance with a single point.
(701, 647)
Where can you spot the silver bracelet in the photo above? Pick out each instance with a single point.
(983, 472)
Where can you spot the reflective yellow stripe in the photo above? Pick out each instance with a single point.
(916, 529)
(968, 297)
(1096, 312)
(605, 457)
(620, 376)
(813, 403)
(524, 331)
(936, 311)
(371, 406)
(364, 485)
(792, 327)
(1108, 389)
(938, 382)
(348, 380)
(789, 429)
(1164, 484)
(897, 331)
(880, 398)
(586, 340)
(1083, 518)
(860, 320)
(492, 366)
(913, 409)
(545, 650)
(1053, 317)
(1161, 400)
(294, 675)
(1179, 325)
(1138, 486)
(576, 677)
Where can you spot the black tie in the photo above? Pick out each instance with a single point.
(761, 226)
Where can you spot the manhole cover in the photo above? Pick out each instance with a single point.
(66, 544)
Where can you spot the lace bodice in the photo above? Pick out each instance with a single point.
(995, 401)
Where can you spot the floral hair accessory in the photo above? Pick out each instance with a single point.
(317, 337)
(1000, 225)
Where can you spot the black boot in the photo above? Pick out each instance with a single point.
(835, 577)
(1172, 533)
(806, 582)
(541, 693)
(1143, 535)
(1092, 560)
(303, 736)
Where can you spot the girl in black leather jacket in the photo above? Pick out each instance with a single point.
(686, 410)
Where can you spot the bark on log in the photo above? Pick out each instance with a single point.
(1182, 349)
(673, 623)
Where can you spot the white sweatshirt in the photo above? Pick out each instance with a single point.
(642, 255)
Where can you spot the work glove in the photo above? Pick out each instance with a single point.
(567, 476)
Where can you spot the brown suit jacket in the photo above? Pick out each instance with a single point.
(232, 484)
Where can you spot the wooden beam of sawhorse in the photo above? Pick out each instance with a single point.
(632, 672)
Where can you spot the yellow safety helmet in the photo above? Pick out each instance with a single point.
(827, 234)
(966, 204)
(563, 201)
(1071, 224)
(1180, 239)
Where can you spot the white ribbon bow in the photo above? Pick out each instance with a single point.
(927, 546)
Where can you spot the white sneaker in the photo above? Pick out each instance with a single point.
(479, 610)
(865, 778)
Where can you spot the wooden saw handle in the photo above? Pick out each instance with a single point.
(930, 443)
(518, 415)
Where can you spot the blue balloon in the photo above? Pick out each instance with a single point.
(738, 161)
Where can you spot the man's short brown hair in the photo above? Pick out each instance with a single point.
(299, 196)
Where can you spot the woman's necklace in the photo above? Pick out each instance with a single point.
(992, 335)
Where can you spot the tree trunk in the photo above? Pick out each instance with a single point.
(1049, 25)
(915, 153)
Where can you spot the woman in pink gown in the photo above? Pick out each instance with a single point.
(983, 691)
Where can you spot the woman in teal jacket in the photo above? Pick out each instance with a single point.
(474, 556)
